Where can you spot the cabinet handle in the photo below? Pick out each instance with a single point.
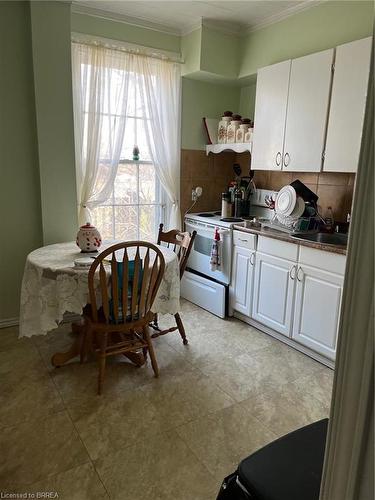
(291, 274)
(252, 256)
(278, 158)
(286, 159)
(245, 241)
(300, 269)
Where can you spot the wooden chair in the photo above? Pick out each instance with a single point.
(127, 286)
(181, 244)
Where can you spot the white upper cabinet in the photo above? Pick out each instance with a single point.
(348, 104)
(269, 120)
(307, 111)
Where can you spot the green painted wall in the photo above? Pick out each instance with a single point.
(220, 53)
(20, 218)
(51, 45)
(318, 28)
(82, 23)
(36, 116)
(247, 101)
(201, 99)
(191, 51)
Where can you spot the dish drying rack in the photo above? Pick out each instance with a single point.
(292, 225)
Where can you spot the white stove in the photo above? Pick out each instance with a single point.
(202, 285)
(214, 218)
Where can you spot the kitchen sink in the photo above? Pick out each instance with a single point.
(325, 238)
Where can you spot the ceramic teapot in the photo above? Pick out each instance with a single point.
(88, 238)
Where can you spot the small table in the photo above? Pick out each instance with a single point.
(52, 286)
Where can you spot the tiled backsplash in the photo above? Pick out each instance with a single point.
(214, 172)
(333, 189)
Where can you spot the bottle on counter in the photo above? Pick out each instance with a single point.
(238, 203)
(243, 128)
(329, 220)
(223, 125)
(226, 205)
(232, 129)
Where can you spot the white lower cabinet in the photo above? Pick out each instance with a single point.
(317, 309)
(291, 289)
(274, 292)
(242, 280)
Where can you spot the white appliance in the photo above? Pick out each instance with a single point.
(200, 284)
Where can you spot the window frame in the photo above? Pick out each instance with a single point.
(160, 199)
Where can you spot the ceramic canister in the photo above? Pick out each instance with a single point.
(232, 128)
(223, 125)
(241, 131)
(88, 238)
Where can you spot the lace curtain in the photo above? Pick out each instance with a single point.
(102, 80)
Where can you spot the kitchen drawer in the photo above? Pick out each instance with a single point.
(327, 261)
(278, 248)
(204, 292)
(243, 239)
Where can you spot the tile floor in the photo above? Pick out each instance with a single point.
(230, 391)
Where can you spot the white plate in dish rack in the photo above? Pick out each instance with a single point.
(286, 200)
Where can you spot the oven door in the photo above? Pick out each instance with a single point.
(200, 254)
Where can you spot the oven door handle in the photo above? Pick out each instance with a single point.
(224, 231)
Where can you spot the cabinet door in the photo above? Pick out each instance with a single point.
(269, 119)
(348, 102)
(306, 119)
(241, 288)
(317, 309)
(273, 292)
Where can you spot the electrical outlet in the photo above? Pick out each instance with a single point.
(196, 193)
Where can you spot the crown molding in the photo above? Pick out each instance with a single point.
(138, 22)
(289, 12)
(226, 27)
(193, 27)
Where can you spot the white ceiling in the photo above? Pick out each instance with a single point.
(180, 16)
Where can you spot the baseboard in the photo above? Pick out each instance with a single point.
(286, 340)
(68, 318)
(5, 323)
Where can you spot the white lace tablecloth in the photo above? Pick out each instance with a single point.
(52, 286)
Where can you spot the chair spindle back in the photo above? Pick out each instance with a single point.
(181, 243)
(128, 281)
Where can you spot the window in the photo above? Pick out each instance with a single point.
(135, 207)
(122, 99)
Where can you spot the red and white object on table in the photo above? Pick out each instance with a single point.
(88, 238)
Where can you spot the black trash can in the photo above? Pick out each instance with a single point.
(289, 468)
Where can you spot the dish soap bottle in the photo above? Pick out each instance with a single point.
(329, 220)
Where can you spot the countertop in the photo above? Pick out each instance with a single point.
(279, 235)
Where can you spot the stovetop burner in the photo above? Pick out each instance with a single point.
(231, 219)
(206, 215)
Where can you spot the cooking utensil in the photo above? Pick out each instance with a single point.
(237, 169)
